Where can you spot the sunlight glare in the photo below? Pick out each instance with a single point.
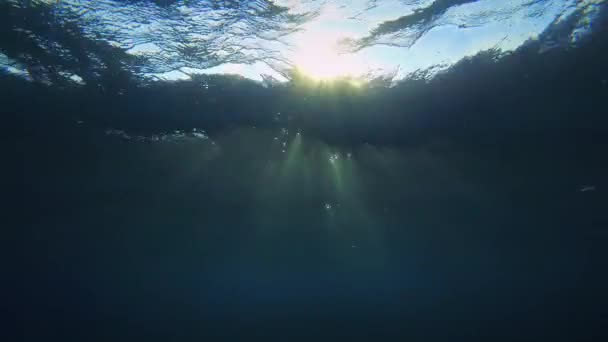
(319, 58)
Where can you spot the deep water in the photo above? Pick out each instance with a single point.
(468, 207)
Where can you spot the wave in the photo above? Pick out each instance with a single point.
(99, 42)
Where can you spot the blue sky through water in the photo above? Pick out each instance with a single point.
(463, 31)
(317, 48)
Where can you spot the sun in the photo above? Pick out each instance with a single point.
(319, 58)
(327, 65)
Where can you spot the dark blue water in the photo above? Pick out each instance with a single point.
(470, 205)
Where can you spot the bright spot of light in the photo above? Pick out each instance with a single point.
(333, 158)
(318, 56)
